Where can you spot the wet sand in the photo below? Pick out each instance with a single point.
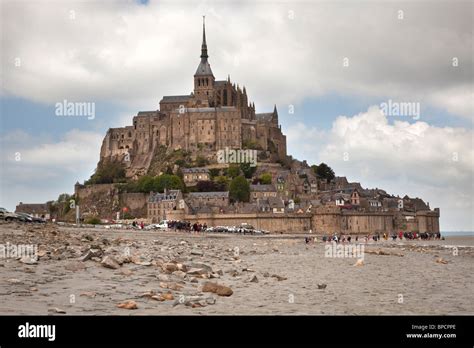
(285, 273)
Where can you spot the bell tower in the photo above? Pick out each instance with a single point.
(204, 78)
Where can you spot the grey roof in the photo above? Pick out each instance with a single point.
(223, 194)
(344, 196)
(195, 170)
(268, 116)
(175, 98)
(158, 197)
(262, 188)
(204, 68)
(212, 109)
(220, 83)
(146, 113)
(276, 202)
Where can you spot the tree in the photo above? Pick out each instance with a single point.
(265, 179)
(323, 171)
(239, 189)
(107, 172)
(167, 181)
(233, 171)
(248, 170)
(222, 182)
(206, 186)
(201, 161)
(149, 183)
(145, 184)
(213, 172)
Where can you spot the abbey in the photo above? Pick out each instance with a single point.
(216, 115)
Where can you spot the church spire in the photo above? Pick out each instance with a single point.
(204, 44)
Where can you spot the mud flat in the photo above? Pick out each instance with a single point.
(79, 271)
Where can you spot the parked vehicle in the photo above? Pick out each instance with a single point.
(162, 225)
(9, 216)
(30, 218)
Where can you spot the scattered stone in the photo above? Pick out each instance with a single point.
(90, 294)
(138, 261)
(129, 304)
(441, 260)
(181, 267)
(91, 253)
(218, 271)
(383, 252)
(88, 237)
(359, 263)
(218, 289)
(179, 274)
(169, 267)
(254, 279)
(247, 270)
(266, 274)
(196, 271)
(193, 280)
(57, 310)
(14, 280)
(279, 278)
(163, 277)
(164, 297)
(171, 286)
(149, 294)
(197, 252)
(33, 289)
(110, 262)
(322, 286)
(205, 267)
(29, 260)
(75, 266)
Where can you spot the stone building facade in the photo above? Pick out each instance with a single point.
(216, 115)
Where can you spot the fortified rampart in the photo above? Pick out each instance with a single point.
(325, 220)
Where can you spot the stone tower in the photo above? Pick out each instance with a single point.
(204, 78)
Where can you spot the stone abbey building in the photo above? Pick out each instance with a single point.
(216, 115)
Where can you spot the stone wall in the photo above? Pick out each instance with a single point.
(282, 223)
(325, 220)
(104, 200)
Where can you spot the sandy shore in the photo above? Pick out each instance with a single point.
(268, 275)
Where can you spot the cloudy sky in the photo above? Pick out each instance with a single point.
(328, 66)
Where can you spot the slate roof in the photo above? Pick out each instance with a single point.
(171, 195)
(195, 170)
(223, 194)
(204, 68)
(175, 98)
(262, 188)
